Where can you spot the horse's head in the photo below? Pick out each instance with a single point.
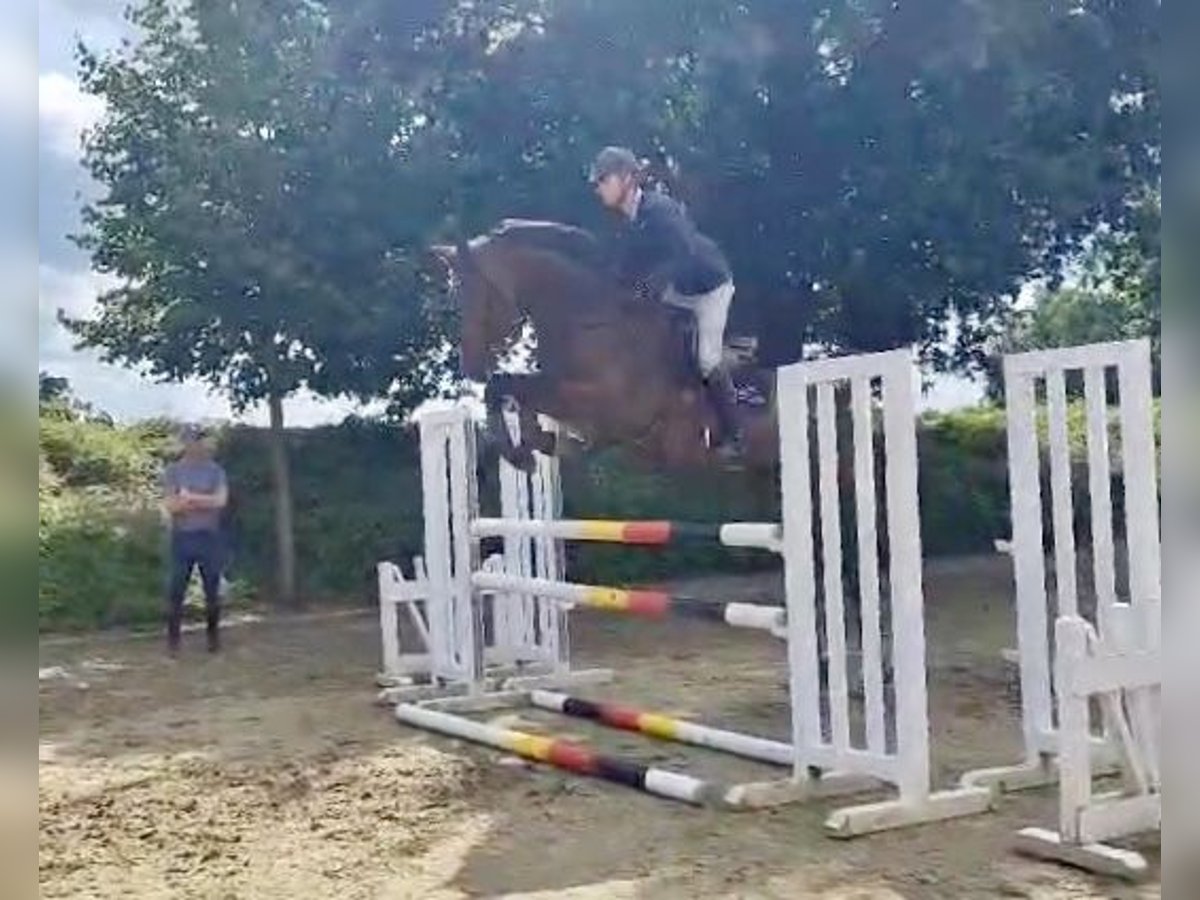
(487, 306)
(540, 271)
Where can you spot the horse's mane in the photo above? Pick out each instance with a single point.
(572, 253)
(577, 244)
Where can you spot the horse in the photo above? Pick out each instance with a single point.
(612, 369)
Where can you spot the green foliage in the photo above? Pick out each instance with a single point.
(103, 541)
(1073, 316)
(1115, 296)
(52, 389)
(56, 400)
(274, 169)
(871, 166)
(85, 453)
(358, 501)
(964, 475)
(101, 536)
(357, 490)
(602, 487)
(963, 480)
(100, 558)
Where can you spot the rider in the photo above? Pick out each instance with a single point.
(663, 256)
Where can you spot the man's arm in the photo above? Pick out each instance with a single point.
(218, 499)
(215, 499)
(668, 233)
(173, 500)
(654, 284)
(629, 260)
(640, 257)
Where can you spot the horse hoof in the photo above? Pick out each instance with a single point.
(546, 442)
(521, 458)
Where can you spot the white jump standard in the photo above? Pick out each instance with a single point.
(528, 643)
(526, 585)
(1112, 653)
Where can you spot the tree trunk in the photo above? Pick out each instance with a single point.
(285, 538)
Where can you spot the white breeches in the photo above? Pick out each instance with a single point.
(711, 310)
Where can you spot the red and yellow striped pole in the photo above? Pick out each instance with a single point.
(566, 755)
(761, 535)
(645, 603)
(665, 727)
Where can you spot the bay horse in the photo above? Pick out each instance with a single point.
(611, 368)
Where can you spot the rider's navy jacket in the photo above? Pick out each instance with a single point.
(662, 242)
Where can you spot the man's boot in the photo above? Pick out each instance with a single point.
(212, 631)
(174, 632)
(723, 399)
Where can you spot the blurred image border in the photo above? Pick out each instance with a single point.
(1180, 442)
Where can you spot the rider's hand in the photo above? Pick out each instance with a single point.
(646, 290)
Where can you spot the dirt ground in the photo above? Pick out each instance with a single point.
(268, 771)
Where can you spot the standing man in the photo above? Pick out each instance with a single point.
(666, 258)
(194, 494)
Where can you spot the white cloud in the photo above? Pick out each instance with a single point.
(125, 394)
(64, 111)
(60, 24)
(947, 392)
(75, 294)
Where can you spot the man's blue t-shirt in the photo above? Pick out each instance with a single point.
(196, 477)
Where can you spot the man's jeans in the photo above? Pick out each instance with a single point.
(189, 550)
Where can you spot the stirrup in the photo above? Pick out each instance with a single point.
(731, 447)
(728, 453)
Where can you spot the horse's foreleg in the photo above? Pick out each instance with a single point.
(526, 392)
(533, 434)
(497, 391)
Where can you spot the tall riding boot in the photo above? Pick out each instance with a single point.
(213, 630)
(174, 630)
(723, 399)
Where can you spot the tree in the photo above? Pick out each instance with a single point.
(876, 170)
(1115, 295)
(57, 400)
(245, 219)
(53, 389)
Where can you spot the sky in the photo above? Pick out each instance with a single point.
(65, 280)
